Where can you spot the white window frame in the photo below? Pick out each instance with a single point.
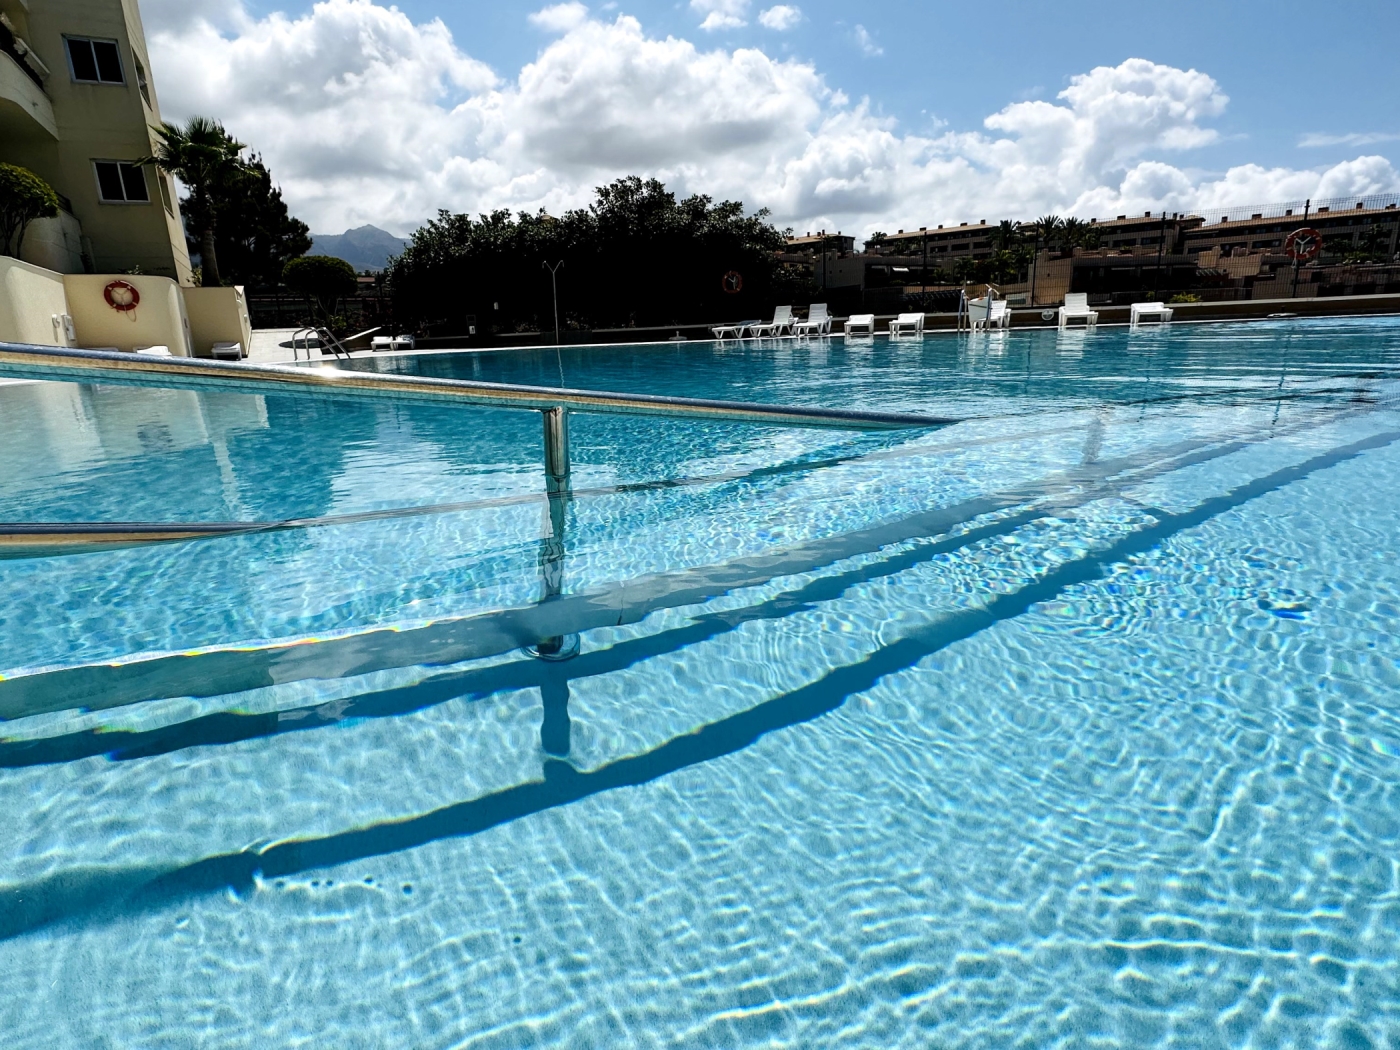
(73, 73)
(120, 163)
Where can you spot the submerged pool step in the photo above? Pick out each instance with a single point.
(238, 668)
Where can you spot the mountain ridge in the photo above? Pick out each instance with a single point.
(364, 247)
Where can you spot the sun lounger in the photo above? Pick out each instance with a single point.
(818, 321)
(782, 320)
(736, 330)
(1077, 306)
(860, 324)
(1158, 311)
(984, 315)
(907, 324)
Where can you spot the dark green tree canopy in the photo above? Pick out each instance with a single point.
(254, 235)
(24, 197)
(636, 256)
(323, 278)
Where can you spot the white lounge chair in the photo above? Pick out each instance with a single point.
(226, 351)
(782, 319)
(1158, 311)
(736, 330)
(818, 321)
(907, 324)
(984, 315)
(860, 324)
(1077, 306)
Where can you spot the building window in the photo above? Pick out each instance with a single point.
(94, 61)
(141, 82)
(165, 195)
(119, 182)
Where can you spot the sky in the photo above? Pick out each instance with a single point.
(834, 116)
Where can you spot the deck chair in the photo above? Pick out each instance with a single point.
(1158, 311)
(860, 324)
(1077, 305)
(907, 324)
(782, 319)
(736, 330)
(996, 314)
(818, 322)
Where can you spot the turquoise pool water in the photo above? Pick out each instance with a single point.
(1076, 723)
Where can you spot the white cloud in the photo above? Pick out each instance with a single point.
(721, 14)
(365, 116)
(560, 18)
(866, 43)
(781, 17)
(1355, 138)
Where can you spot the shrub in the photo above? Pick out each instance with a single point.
(1184, 297)
(322, 278)
(24, 197)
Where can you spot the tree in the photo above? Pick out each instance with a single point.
(1049, 230)
(323, 278)
(255, 236)
(1076, 233)
(636, 256)
(208, 160)
(24, 197)
(1007, 235)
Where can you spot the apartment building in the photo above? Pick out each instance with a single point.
(1263, 232)
(78, 107)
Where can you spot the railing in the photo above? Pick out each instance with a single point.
(301, 340)
(103, 366)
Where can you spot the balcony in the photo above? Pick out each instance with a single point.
(25, 111)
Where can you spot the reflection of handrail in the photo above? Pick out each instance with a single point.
(48, 362)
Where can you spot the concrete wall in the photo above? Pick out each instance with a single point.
(55, 244)
(217, 315)
(30, 299)
(158, 320)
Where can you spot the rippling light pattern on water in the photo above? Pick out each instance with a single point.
(1074, 724)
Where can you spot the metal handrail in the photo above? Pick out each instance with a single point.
(324, 338)
(104, 366)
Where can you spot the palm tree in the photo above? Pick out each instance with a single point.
(1007, 235)
(1075, 232)
(1049, 229)
(207, 160)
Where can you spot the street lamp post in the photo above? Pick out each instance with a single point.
(554, 282)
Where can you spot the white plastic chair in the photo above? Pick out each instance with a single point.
(404, 342)
(1158, 311)
(818, 322)
(1077, 306)
(782, 319)
(226, 351)
(736, 330)
(984, 315)
(907, 324)
(860, 324)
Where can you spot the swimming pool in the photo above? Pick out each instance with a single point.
(1075, 723)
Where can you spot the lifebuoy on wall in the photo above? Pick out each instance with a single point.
(732, 282)
(1303, 244)
(122, 296)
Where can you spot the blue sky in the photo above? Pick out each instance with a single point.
(1309, 87)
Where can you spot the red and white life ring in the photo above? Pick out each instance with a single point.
(1303, 244)
(732, 282)
(122, 296)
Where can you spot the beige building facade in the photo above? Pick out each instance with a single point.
(78, 108)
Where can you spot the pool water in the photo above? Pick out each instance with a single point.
(1075, 723)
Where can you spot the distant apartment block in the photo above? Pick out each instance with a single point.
(78, 108)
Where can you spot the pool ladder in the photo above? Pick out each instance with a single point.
(301, 340)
